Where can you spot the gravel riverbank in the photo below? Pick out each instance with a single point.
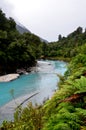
(8, 77)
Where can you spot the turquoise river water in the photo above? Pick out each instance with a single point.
(43, 80)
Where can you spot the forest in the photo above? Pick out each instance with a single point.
(17, 50)
(66, 110)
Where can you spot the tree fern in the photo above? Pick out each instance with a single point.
(80, 85)
(81, 112)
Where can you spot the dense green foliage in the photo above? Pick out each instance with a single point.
(66, 110)
(17, 50)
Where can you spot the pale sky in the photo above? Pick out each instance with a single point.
(47, 18)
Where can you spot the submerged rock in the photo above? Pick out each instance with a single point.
(21, 71)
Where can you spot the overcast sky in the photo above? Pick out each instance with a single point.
(47, 18)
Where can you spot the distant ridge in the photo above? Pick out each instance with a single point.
(22, 29)
(43, 40)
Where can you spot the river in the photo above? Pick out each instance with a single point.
(42, 82)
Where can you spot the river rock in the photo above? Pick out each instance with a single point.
(8, 77)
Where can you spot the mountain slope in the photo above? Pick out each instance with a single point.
(22, 29)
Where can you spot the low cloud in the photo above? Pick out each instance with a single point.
(6, 7)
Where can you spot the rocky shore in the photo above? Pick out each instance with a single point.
(13, 76)
(8, 77)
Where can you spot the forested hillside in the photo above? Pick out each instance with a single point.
(67, 47)
(17, 50)
(66, 110)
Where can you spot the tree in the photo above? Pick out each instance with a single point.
(12, 24)
(79, 30)
(59, 37)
